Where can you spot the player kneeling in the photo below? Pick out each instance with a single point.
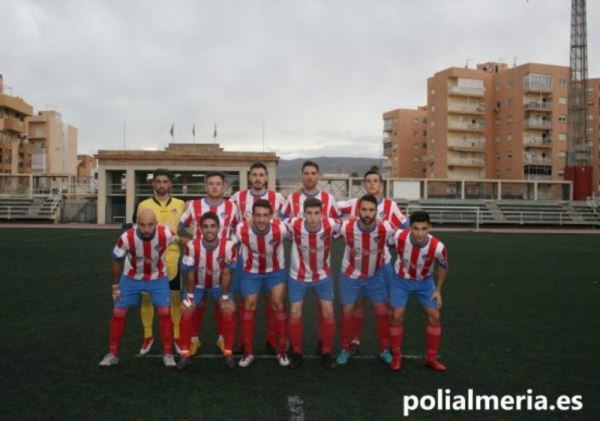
(310, 268)
(207, 259)
(417, 252)
(142, 247)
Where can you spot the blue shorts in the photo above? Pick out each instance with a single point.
(132, 288)
(237, 275)
(401, 288)
(323, 289)
(253, 283)
(201, 293)
(388, 275)
(353, 289)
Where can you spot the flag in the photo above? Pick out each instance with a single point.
(172, 131)
(194, 130)
(215, 132)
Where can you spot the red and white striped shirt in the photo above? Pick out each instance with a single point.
(311, 251)
(225, 210)
(144, 259)
(208, 262)
(245, 199)
(417, 263)
(365, 250)
(294, 205)
(262, 253)
(387, 210)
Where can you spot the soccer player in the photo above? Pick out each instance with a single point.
(293, 208)
(168, 210)
(362, 273)
(206, 260)
(142, 248)
(310, 268)
(418, 251)
(310, 188)
(261, 247)
(244, 200)
(387, 210)
(228, 218)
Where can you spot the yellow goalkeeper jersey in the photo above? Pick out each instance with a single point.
(167, 213)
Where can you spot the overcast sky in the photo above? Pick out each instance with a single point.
(318, 74)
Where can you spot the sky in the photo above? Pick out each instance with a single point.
(300, 78)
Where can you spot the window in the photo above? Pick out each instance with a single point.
(509, 137)
(562, 82)
(562, 155)
(509, 119)
(432, 124)
(509, 83)
(562, 136)
(562, 100)
(433, 108)
(538, 82)
(508, 102)
(562, 118)
(432, 91)
(497, 138)
(509, 155)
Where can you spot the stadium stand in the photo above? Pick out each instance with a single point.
(36, 209)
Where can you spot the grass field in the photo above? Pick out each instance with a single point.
(520, 312)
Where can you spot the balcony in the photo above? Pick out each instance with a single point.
(388, 148)
(537, 142)
(465, 91)
(536, 87)
(388, 125)
(476, 109)
(465, 162)
(539, 160)
(537, 177)
(14, 125)
(469, 127)
(467, 145)
(538, 106)
(429, 158)
(537, 124)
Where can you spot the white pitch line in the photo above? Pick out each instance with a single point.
(295, 406)
(271, 357)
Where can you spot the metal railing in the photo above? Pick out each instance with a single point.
(457, 213)
(537, 217)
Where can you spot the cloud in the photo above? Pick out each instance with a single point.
(317, 74)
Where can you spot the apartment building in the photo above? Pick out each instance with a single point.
(15, 151)
(53, 143)
(404, 137)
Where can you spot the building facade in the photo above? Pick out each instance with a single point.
(496, 122)
(124, 176)
(404, 139)
(53, 143)
(15, 150)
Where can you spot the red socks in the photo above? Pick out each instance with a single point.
(228, 329)
(248, 328)
(434, 337)
(383, 326)
(396, 336)
(165, 324)
(358, 316)
(328, 334)
(281, 329)
(296, 334)
(117, 328)
(346, 330)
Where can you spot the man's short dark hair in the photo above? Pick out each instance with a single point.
(369, 198)
(419, 216)
(372, 172)
(312, 202)
(162, 171)
(259, 165)
(215, 174)
(210, 215)
(262, 203)
(310, 164)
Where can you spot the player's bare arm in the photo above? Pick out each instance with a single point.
(437, 294)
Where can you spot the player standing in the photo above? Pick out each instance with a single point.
(310, 268)
(168, 210)
(261, 247)
(362, 273)
(206, 260)
(244, 200)
(142, 248)
(228, 218)
(418, 251)
(387, 210)
(293, 208)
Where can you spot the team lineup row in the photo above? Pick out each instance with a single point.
(235, 247)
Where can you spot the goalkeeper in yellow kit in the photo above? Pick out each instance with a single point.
(168, 210)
